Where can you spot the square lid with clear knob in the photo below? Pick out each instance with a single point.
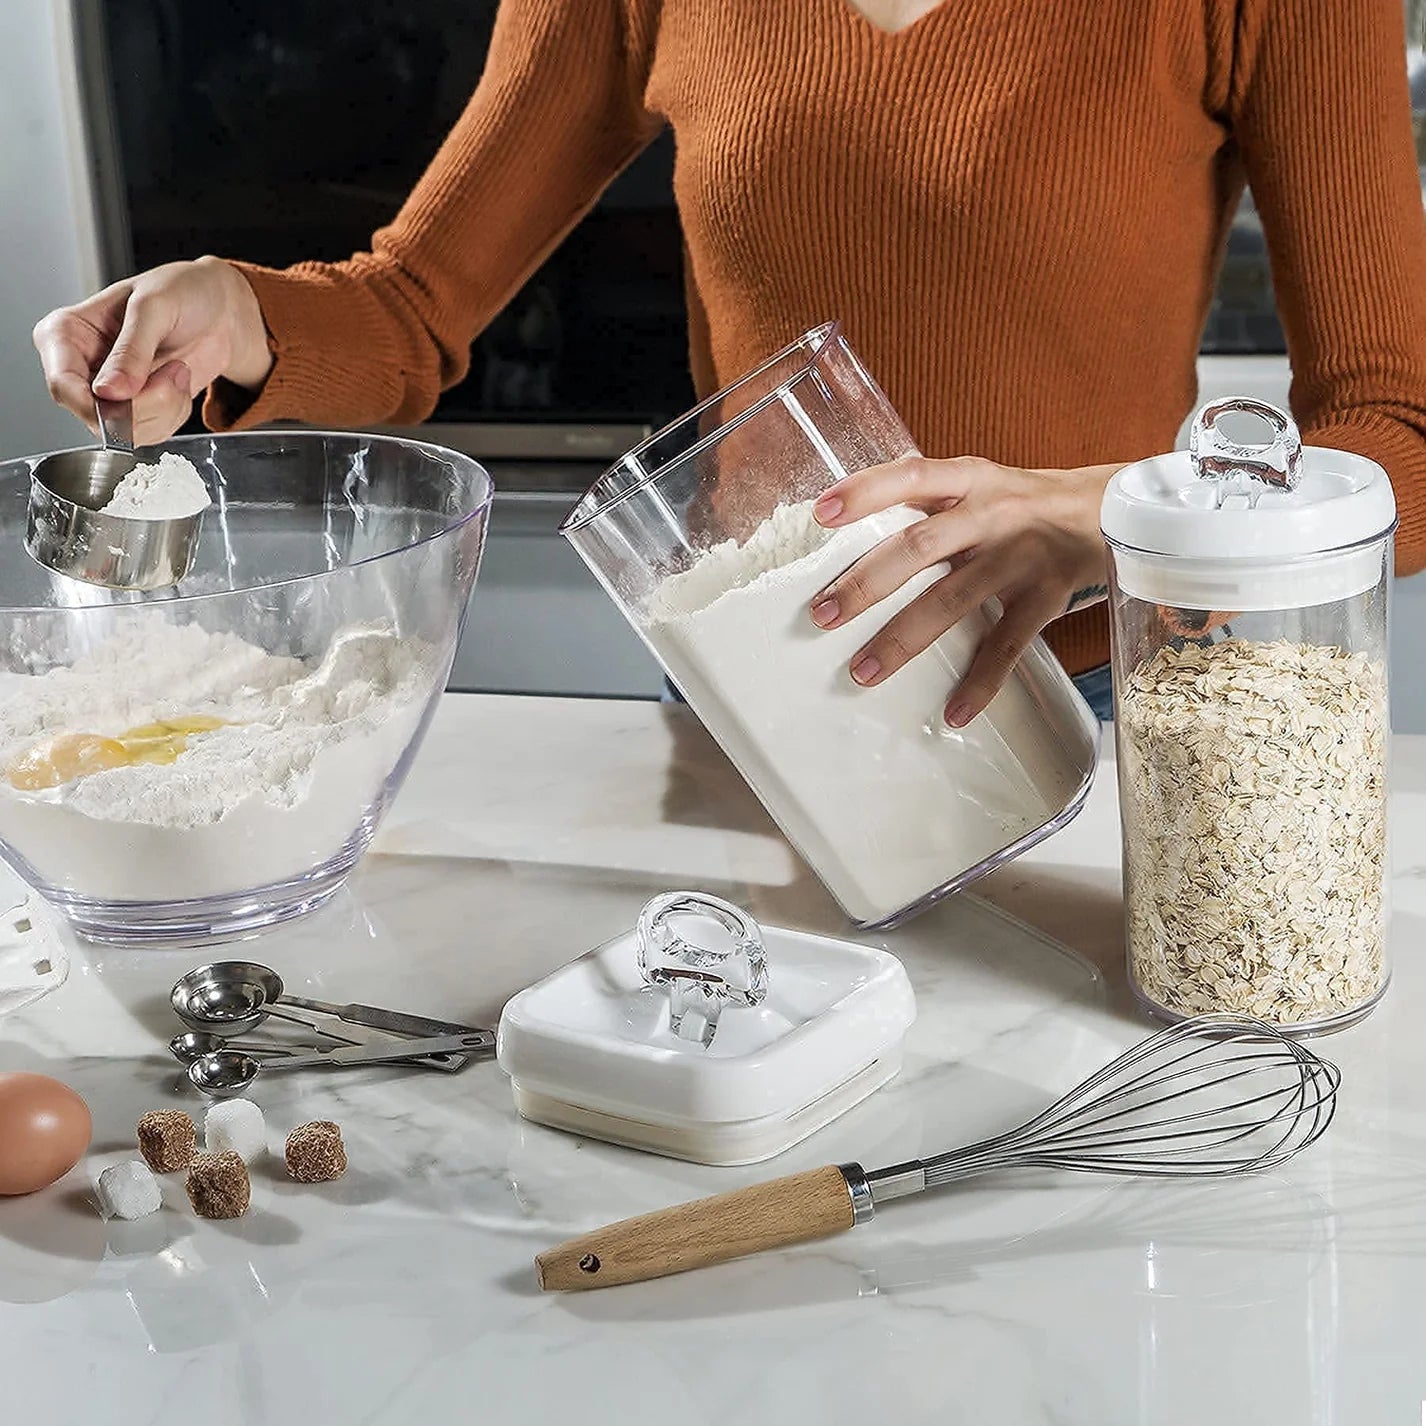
(811, 1025)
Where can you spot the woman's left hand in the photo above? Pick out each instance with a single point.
(1029, 538)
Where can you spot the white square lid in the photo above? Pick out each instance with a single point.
(595, 1036)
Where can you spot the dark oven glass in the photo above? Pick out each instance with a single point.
(278, 130)
(282, 130)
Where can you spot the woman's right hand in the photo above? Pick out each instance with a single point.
(157, 340)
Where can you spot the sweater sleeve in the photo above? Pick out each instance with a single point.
(558, 112)
(1320, 111)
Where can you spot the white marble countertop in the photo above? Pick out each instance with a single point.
(532, 830)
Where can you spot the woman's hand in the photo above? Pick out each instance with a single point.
(1029, 538)
(157, 340)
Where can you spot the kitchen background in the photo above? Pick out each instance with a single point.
(139, 131)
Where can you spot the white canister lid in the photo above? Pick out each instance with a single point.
(590, 1047)
(1225, 525)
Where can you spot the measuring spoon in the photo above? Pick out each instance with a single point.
(233, 992)
(225, 1072)
(194, 1044)
(232, 997)
(371, 1016)
(224, 1008)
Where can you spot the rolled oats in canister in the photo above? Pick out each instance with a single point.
(1254, 806)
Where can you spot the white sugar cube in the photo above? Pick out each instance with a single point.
(128, 1190)
(236, 1125)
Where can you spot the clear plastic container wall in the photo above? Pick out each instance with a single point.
(1253, 773)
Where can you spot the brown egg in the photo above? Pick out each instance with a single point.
(44, 1131)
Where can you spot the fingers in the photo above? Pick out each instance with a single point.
(70, 389)
(913, 480)
(154, 340)
(67, 347)
(130, 364)
(922, 622)
(887, 566)
(952, 598)
(1000, 650)
(1192, 623)
(1029, 538)
(164, 404)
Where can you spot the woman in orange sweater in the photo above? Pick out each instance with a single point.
(1017, 210)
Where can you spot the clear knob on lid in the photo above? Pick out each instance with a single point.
(1217, 457)
(706, 954)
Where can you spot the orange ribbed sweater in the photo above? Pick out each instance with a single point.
(1017, 210)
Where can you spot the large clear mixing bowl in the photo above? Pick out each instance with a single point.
(199, 763)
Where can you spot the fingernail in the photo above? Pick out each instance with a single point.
(103, 381)
(866, 669)
(827, 509)
(958, 714)
(182, 378)
(826, 612)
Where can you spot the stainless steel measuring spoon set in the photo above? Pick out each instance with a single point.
(224, 1003)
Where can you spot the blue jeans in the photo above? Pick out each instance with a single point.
(1096, 687)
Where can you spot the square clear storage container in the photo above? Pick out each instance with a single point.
(705, 538)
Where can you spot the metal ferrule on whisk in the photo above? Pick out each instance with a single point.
(868, 1190)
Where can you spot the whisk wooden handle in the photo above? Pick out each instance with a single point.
(791, 1210)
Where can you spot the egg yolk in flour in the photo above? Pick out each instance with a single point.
(70, 756)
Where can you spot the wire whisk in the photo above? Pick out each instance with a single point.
(1209, 1097)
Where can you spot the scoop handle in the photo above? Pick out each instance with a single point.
(798, 1209)
(116, 424)
(392, 1052)
(395, 1021)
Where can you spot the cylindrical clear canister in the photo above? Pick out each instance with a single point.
(1249, 588)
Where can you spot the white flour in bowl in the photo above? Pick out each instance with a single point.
(883, 800)
(169, 489)
(280, 789)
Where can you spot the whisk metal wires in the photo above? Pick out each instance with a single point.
(1218, 1094)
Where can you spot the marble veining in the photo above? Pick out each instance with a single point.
(532, 830)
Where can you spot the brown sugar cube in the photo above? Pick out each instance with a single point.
(315, 1152)
(218, 1186)
(167, 1138)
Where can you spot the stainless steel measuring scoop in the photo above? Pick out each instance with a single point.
(226, 1072)
(234, 997)
(231, 991)
(221, 1007)
(69, 533)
